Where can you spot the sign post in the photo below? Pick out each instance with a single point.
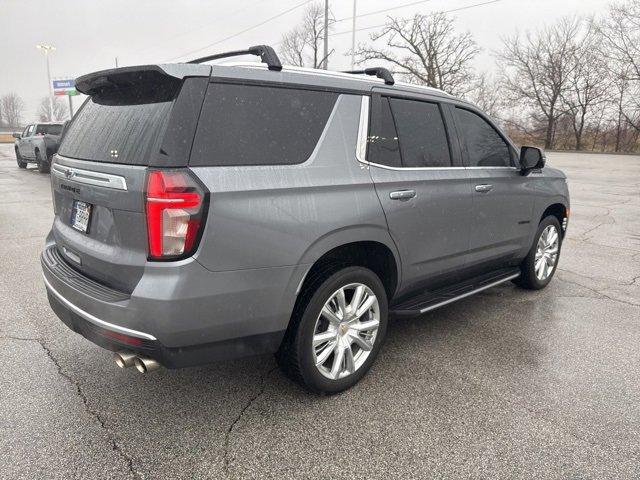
(65, 87)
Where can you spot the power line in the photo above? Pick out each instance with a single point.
(442, 11)
(242, 31)
(196, 29)
(382, 11)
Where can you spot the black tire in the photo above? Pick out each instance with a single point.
(528, 278)
(43, 164)
(295, 356)
(19, 161)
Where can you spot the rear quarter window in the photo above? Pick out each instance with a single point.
(259, 125)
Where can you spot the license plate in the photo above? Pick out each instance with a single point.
(80, 215)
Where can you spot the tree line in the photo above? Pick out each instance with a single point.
(12, 110)
(573, 84)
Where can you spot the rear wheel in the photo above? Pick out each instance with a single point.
(43, 164)
(336, 331)
(21, 163)
(540, 264)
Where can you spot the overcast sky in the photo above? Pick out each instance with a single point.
(89, 35)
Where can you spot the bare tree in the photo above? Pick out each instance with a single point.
(60, 110)
(13, 108)
(486, 95)
(588, 83)
(620, 32)
(538, 70)
(302, 46)
(428, 50)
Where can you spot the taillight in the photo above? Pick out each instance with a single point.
(174, 208)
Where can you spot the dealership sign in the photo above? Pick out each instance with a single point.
(64, 87)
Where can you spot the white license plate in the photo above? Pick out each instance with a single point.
(80, 215)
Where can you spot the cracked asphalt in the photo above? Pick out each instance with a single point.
(505, 384)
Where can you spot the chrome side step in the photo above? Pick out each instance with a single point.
(430, 300)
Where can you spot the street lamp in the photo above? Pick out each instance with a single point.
(48, 49)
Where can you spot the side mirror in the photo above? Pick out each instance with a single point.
(16, 135)
(531, 158)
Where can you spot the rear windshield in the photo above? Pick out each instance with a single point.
(123, 126)
(259, 125)
(48, 129)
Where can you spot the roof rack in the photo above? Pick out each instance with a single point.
(265, 52)
(379, 72)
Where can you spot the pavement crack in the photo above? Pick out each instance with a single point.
(93, 413)
(252, 400)
(602, 295)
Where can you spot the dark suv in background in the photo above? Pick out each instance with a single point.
(209, 212)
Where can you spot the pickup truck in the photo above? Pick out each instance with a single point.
(37, 144)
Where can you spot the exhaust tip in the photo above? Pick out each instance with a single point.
(124, 359)
(144, 365)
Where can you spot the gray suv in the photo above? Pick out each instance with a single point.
(209, 212)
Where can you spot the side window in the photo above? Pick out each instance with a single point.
(383, 144)
(28, 131)
(484, 146)
(259, 125)
(423, 138)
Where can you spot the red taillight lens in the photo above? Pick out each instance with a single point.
(174, 205)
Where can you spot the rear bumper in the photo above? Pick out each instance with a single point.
(180, 315)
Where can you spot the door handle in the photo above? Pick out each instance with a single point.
(484, 188)
(402, 195)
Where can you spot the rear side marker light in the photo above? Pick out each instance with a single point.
(174, 205)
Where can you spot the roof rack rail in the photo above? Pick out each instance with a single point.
(265, 52)
(379, 72)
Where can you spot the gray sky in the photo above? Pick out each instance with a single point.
(89, 34)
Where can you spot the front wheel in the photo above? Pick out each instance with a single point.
(539, 266)
(336, 331)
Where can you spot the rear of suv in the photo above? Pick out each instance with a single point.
(211, 212)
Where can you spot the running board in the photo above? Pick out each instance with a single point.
(430, 300)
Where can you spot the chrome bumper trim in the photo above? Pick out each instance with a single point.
(95, 320)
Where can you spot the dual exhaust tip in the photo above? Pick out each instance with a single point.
(143, 364)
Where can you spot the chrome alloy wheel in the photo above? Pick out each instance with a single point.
(345, 331)
(547, 252)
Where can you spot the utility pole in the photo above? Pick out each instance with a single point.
(353, 37)
(47, 49)
(116, 62)
(326, 35)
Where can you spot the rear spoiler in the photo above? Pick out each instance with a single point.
(97, 82)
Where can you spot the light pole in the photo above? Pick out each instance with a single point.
(48, 49)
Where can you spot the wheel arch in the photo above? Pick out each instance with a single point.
(367, 246)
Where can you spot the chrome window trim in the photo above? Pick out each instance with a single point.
(89, 177)
(95, 320)
(363, 136)
(363, 130)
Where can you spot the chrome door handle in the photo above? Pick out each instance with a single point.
(402, 195)
(484, 188)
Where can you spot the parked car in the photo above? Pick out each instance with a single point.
(210, 212)
(37, 143)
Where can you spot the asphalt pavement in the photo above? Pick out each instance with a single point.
(505, 384)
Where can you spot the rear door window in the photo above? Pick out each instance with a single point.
(423, 138)
(259, 125)
(483, 145)
(384, 148)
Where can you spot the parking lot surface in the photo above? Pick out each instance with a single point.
(506, 384)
